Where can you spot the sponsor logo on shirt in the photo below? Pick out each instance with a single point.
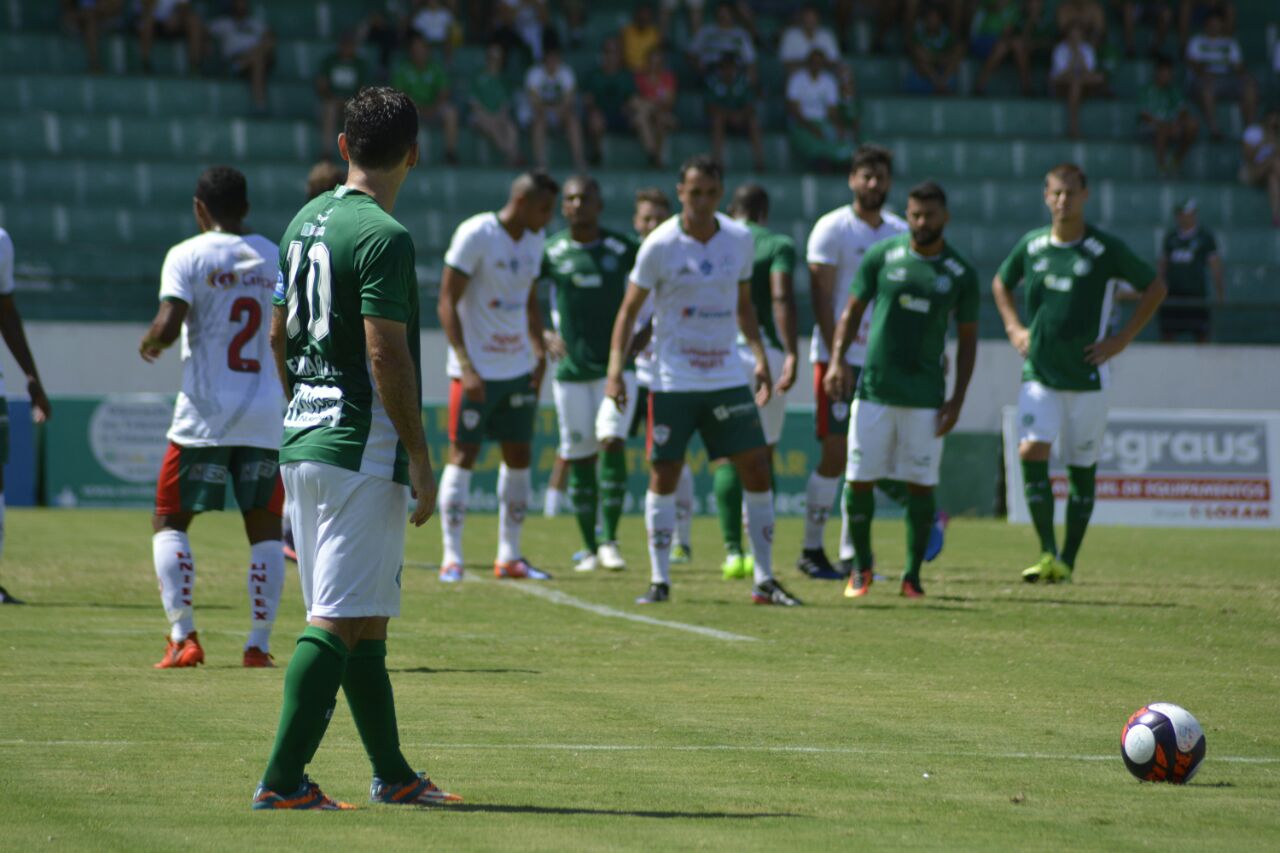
(897, 274)
(1182, 256)
(588, 280)
(690, 312)
(1060, 283)
(280, 285)
(919, 305)
(942, 284)
(1082, 267)
(497, 303)
(1041, 265)
(313, 406)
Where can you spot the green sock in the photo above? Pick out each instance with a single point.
(585, 499)
(1039, 492)
(310, 692)
(919, 517)
(728, 489)
(373, 707)
(896, 490)
(613, 490)
(861, 508)
(1079, 508)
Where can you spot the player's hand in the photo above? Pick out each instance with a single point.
(1021, 340)
(788, 377)
(472, 385)
(41, 411)
(1104, 350)
(150, 349)
(948, 414)
(422, 481)
(837, 381)
(553, 344)
(616, 390)
(539, 371)
(764, 382)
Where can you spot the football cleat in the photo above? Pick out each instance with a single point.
(420, 792)
(771, 592)
(611, 557)
(451, 573)
(911, 588)
(588, 563)
(7, 598)
(658, 593)
(519, 569)
(256, 658)
(737, 566)
(185, 653)
(859, 583)
(814, 563)
(1048, 569)
(308, 797)
(681, 553)
(937, 536)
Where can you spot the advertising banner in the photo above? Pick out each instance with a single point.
(1162, 468)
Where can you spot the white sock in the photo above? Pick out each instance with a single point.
(513, 503)
(819, 495)
(552, 501)
(176, 570)
(760, 532)
(684, 508)
(266, 582)
(660, 521)
(455, 489)
(286, 525)
(846, 535)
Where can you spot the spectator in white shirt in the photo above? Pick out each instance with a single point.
(1217, 71)
(1074, 74)
(433, 20)
(248, 46)
(170, 19)
(553, 98)
(813, 99)
(723, 36)
(804, 37)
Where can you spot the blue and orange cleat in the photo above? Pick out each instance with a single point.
(519, 569)
(420, 792)
(451, 573)
(307, 797)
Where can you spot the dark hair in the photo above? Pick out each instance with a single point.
(224, 191)
(652, 195)
(1163, 61)
(750, 200)
(1062, 171)
(535, 181)
(928, 191)
(871, 156)
(323, 177)
(585, 181)
(381, 125)
(704, 163)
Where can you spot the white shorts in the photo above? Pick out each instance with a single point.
(774, 413)
(893, 442)
(348, 530)
(588, 418)
(1078, 418)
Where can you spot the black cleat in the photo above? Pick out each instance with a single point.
(814, 563)
(6, 598)
(771, 592)
(658, 593)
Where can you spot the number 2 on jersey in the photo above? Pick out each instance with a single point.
(245, 305)
(319, 290)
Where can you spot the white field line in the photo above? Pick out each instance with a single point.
(613, 747)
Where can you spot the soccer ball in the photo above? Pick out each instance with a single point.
(1162, 743)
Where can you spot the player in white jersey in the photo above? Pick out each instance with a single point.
(215, 290)
(697, 266)
(489, 310)
(836, 246)
(16, 339)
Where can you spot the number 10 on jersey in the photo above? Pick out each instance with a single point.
(319, 290)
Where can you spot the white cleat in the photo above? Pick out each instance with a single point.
(589, 563)
(611, 557)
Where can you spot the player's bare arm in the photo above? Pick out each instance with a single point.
(536, 340)
(16, 339)
(1219, 273)
(966, 358)
(838, 380)
(452, 286)
(641, 340)
(822, 284)
(782, 289)
(1108, 348)
(279, 340)
(620, 345)
(164, 329)
(1017, 333)
(749, 325)
(396, 380)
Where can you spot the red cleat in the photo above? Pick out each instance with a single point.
(185, 653)
(912, 589)
(256, 658)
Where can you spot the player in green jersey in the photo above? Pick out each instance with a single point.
(1188, 254)
(900, 411)
(773, 296)
(1070, 271)
(344, 333)
(587, 267)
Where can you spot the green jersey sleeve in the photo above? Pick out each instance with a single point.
(1129, 267)
(969, 298)
(1014, 267)
(385, 264)
(866, 279)
(784, 256)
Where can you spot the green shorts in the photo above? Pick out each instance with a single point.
(194, 479)
(506, 414)
(727, 420)
(640, 419)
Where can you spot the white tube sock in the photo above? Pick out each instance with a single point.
(684, 508)
(760, 532)
(455, 489)
(266, 582)
(819, 495)
(660, 521)
(176, 571)
(513, 505)
(846, 535)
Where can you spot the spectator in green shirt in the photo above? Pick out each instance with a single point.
(935, 55)
(1164, 114)
(423, 79)
(997, 34)
(609, 98)
(341, 76)
(490, 106)
(731, 105)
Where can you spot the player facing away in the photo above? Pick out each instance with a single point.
(587, 267)
(489, 310)
(774, 300)
(917, 282)
(215, 291)
(837, 244)
(697, 266)
(16, 339)
(1069, 272)
(345, 337)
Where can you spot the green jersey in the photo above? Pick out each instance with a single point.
(992, 20)
(1070, 291)
(1187, 261)
(422, 85)
(588, 285)
(1162, 104)
(345, 76)
(914, 298)
(611, 91)
(774, 253)
(490, 91)
(343, 258)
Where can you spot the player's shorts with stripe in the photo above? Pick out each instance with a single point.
(195, 479)
(894, 442)
(727, 420)
(349, 531)
(505, 414)
(640, 417)
(587, 418)
(832, 416)
(774, 414)
(1076, 420)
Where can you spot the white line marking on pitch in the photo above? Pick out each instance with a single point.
(618, 747)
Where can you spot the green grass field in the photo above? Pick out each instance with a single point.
(986, 717)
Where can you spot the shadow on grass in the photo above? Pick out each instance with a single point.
(1088, 602)
(102, 605)
(427, 670)
(502, 808)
